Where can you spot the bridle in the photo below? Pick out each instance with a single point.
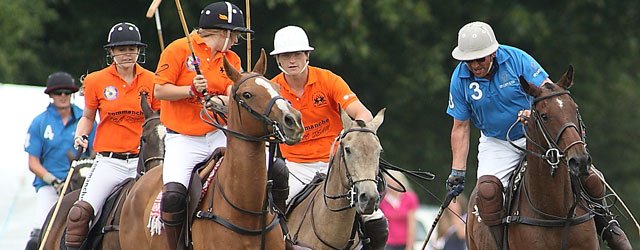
(552, 153)
(275, 136)
(351, 195)
(147, 159)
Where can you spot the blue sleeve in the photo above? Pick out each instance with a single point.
(34, 142)
(531, 69)
(458, 107)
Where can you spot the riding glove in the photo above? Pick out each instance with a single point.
(455, 182)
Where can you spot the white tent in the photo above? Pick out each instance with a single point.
(19, 104)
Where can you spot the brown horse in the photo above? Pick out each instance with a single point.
(152, 144)
(547, 211)
(232, 214)
(350, 188)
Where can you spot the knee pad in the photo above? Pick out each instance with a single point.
(78, 223)
(593, 185)
(489, 200)
(173, 204)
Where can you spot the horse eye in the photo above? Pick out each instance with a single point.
(347, 150)
(246, 95)
(544, 117)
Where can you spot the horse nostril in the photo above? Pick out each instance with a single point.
(289, 121)
(580, 163)
(363, 198)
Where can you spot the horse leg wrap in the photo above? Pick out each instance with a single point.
(279, 173)
(593, 185)
(78, 224)
(377, 231)
(34, 240)
(490, 205)
(173, 204)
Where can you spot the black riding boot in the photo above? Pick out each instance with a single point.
(279, 173)
(34, 241)
(377, 231)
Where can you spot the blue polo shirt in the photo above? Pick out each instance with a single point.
(50, 140)
(493, 105)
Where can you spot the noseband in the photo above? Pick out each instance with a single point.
(351, 195)
(553, 154)
(276, 136)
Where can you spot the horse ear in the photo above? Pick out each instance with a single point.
(566, 81)
(377, 120)
(261, 64)
(144, 104)
(347, 122)
(231, 72)
(528, 88)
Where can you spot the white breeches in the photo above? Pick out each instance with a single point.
(300, 174)
(46, 198)
(105, 174)
(183, 152)
(498, 158)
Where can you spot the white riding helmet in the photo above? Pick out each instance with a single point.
(290, 39)
(475, 40)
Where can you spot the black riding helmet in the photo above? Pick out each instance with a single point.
(60, 80)
(223, 15)
(123, 34)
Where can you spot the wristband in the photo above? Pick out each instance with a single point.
(195, 91)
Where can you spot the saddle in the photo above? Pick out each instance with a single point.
(306, 191)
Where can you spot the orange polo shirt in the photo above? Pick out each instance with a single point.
(323, 93)
(118, 104)
(176, 67)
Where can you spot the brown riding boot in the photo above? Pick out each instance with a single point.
(490, 206)
(606, 225)
(173, 208)
(78, 224)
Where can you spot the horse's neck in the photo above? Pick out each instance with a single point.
(243, 173)
(548, 193)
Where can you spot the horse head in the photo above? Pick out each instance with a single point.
(152, 138)
(557, 123)
(275, 119)
(360, 153)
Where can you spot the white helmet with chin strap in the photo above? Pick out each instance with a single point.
(475, 40)
(290, 39)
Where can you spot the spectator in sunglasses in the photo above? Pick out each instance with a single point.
(49, 138)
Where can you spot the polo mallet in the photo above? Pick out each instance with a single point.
(153, 10)
(248, 17)
(62, 192)
(196, 66)
(445, 204)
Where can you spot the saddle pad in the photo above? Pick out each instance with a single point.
(306, 191)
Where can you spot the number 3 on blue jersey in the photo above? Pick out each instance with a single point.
(477, 93)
